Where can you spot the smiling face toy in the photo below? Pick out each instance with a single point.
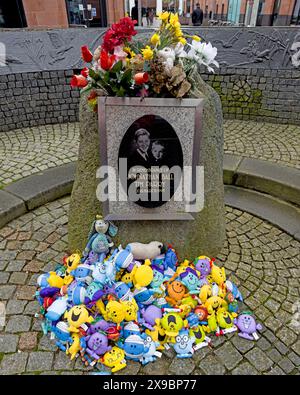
(184, 344)
(190, 279)
(77, 316)
(176, 292)
(72, 262)
(225, 319)
(247, 326)
(115, 312)
(130, 310)
(134, 347)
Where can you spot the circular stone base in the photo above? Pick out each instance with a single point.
(261, 259)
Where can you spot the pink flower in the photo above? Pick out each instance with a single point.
(78, 81)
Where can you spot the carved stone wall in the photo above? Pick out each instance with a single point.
(259, 77)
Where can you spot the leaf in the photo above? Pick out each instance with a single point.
(117, 67)
(95, 76)
(126, 77)
(121, 92)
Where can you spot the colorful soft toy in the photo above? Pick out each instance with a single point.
(114, 359)
(142, 251)
(77, 316)
(172, 323)
(190, 279)
(247, 326)
(97, 345)
(57, 309)
(184, 344)
(150, 354)
(142, 275)
(134, 347)
(74, 346)
(176, 292)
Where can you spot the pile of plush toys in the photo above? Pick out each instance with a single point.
(110, 305)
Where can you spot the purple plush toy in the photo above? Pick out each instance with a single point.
(247, 326)
(203, 265)
(150, 314)
(100, 325)
(97, 345)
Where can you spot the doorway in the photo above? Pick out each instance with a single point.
(12, 14)
(90, 13)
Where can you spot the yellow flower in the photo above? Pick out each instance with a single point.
(174, 19)
(147, 53)
(155, 39)
(164, 16)
(129, 51)
(196, 38)
(178, 32)
(182, 40)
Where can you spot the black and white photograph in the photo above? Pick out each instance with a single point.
(151, 147)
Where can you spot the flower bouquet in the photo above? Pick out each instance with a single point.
(160, 67)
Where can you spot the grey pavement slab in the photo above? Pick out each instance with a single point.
(44, 187)
(230, 165)
(279, 213)
(11, 207)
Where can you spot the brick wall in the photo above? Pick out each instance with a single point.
(30, 99)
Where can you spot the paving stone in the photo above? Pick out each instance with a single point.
(294, 358)
(274, 355)
(63, 362)
(18, 323)
(28, 341)
(263, 344)
(229, 356)
(181, 366)
(241, 344)
(8, 343)
(133, 368)
(161, 367)
(25, 292)
(15, 266)
(15, 306)
(18, 278)
(33, 266)
(276, 371)
(211, 366)
(245, 369)
(7, 291)
(281, 347)
(46, 344)
(4, 277)
(287, 336)
(286, 365)
(39, 361)
(32, 308)
(13, 363)
(296, 347)
(259, 359)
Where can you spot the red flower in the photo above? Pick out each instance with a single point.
(141, 78)
(85, 72)
(78, 81)
(118, 34)
(86, 54)
(106, 60)
(92, 95)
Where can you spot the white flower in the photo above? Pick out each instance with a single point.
(203, 53)
(168, 56)
(179, 51)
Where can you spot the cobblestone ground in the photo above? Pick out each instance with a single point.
(264, 259)
(28, 151)
(266, 141)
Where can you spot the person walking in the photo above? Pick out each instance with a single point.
(135, 12)
(197, 16)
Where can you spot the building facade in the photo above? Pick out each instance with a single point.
(101, 13)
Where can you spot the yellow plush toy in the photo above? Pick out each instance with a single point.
(115, 359)
(214, 303)
(205, 293)
(55, 281)
(225, 319)
(218, 275)
(130, 309)
(142, 275)
(77, 316)
(114, 311)
(75, 347)
(72, 262)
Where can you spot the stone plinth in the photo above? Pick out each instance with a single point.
(204, 235)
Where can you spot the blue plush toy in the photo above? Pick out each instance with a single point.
(99, 239)
(150, 353)
(93, 293)
(191, 280)
(57, 309)
(170, 259)
(83, 273)
(76, 293)
(143, 296)
(184, 344)
(62, 334)
(134, 347)
(158, 279)
(122, 291)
